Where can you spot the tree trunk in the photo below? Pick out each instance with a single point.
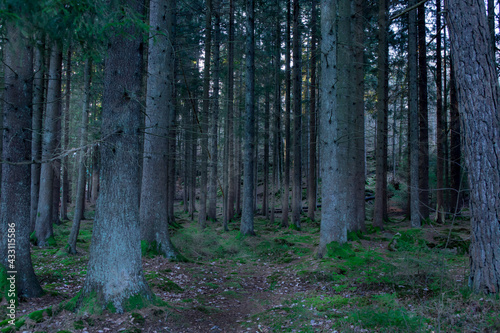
(265, 195)
(277, 109)
(44, 220)
(413, 118)
(311, 179)
(114, 275)
(423, 160)
(15, 180)
(65, 196)
(286, 156)
(95, 174)
(455, 148)
(154, 195)
(440, 130)
(332, 151)
(80, 189)
(248, 181)
(213, 172)
(202, 215)
(297, 120)
(380, 207)
(36, 137)
(478, 95)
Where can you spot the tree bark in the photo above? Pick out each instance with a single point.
(265, 194)
(413, 118)
(455, 148)
(248, 174)
(297, 120)
(65, 196)
(44, 220)
(277, 108)
(36, 137)
(478, 95)
(202, 214)
(440, 130)
(15, 180)
(333, 147)
(114, 273)
(154, 195)
(311, 179)
(80, 189)
(380, 207)
(286, 156)
(423, 115)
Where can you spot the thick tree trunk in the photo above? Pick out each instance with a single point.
(423, 115)
(36, 137)
(334, 216)
(202, 215)
(80, 187)
(277, 109)
(44, 220)
(286, 150)
(311, 179)
(248, 174)
(95, 174)
(455, 148)
(297, 120)
(380, 207)
(440, 130)
(65, 196)
(154, 195)
(213, 172)
(15, 180)
(114, 274)
(413, 118)
(478, 95)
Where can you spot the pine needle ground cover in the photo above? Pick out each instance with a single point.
(399, 280)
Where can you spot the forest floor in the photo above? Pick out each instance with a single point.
(399, 280)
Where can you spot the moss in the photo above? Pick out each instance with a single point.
(170, 286)
(138, 318)
(136, 302)
(20, 322)
(33, 238)
(78, 325)
(8, 329)
(36, 316)
(71, 304)
(340, 251)
(3, 282)
(51, 241)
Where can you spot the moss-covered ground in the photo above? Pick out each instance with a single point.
(395, 280)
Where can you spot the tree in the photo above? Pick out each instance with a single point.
(65, 195)
(423, 116)
(248, 174)
(440, 123)
(413, 117)
(15, 226)
(202, 215)
(297, 120)
(380, 208)
(114, 274)
(80, 187)
(311, 179)
(154, 194)
(277, 107)
(43, 226)
(478, 95)
(332, 144)
(286, 176)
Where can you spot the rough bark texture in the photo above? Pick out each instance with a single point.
(478, 95)
(154, 194)
(65, 196)
(202, 215)
(380, 207)
(248, 181)
(36, 135)
(456, 187)
(440, 125)
(228, 133)
(114, 273)
(95, 174)
(213, 172)
(423, 116)
(277, 109)
(15, 181)
(265, 195)
(297, 120)
(286, 150)
(311, 179)
(413, 117)
(333, 149)
(80, 187)
(43, 225)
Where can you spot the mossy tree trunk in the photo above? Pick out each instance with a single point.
(15, 181)
(114, 273)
